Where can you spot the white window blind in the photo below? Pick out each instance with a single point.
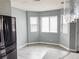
(53, 24)
(34, 24)
(49, 24)
(45, 24)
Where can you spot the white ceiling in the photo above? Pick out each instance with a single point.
(32, 5)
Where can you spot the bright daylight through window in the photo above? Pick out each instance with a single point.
(49, 24)
(33, 24)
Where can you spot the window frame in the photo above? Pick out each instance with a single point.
(33, 24)
(49, 24)
(41, 25)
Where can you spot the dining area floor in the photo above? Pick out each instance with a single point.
(45, 51)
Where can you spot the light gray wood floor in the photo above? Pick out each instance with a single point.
(41, 51)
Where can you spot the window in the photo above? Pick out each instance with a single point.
(45, 24)
(53, 24)
(49, 24)
(34, 24)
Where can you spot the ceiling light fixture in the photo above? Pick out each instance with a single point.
(62, 2)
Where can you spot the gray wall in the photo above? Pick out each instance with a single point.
(51, 37)
(32, 36)
(22, 17)
(20, 26)
(44, 37)
(68, 39)
(65, 28)
(5, 7)
(64, 33)
(76, 7)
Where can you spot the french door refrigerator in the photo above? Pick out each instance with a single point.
(8, 37)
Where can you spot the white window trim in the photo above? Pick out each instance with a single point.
(49, 25)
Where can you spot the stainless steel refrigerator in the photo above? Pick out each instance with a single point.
(8, 37)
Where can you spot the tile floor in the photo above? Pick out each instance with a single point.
(72, 56)
(39, 51)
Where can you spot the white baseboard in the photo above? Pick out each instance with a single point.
(48, 43)
(73, 50)
(64, 47)
(22, 46)
(67, 48)
(45, 43)
(36, 43)
(42, 43)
